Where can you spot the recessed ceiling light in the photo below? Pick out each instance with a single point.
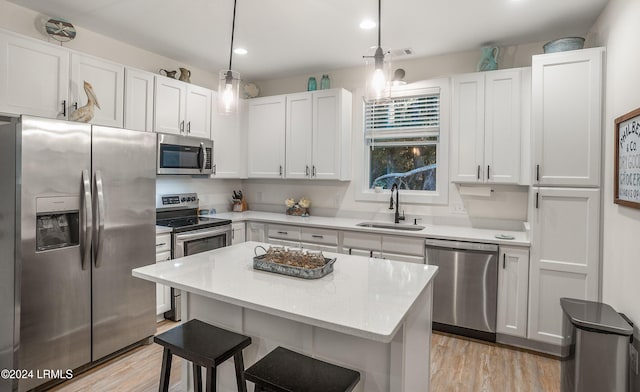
(240, 51)
(367, 24)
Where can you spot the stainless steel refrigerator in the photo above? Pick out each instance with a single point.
(78, 216)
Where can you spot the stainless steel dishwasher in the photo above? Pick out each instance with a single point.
(465, 289)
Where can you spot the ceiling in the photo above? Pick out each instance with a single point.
(292, 37)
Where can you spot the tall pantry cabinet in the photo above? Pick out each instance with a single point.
(567, 147)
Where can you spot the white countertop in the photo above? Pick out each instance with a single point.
(364, 297)
(163, 229)
(430, 231)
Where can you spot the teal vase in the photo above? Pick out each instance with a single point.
(489, 59)
(312, 85)
(325, 84)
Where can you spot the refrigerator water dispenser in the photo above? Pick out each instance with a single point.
(57, 222)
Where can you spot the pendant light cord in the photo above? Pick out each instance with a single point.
(379, 20)
(233, 30)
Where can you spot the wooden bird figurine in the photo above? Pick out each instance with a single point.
(85, 113)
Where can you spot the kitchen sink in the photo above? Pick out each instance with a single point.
(392, 226)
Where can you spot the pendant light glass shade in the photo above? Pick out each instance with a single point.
(378, 69)
(378, 76)
(229, 80)
(228, 91)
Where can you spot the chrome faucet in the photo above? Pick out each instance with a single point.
(397, 217)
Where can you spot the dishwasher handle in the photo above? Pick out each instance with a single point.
(460, 245)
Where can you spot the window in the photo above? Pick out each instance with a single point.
(405, 143)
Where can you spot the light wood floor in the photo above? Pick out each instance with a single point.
(457, 364)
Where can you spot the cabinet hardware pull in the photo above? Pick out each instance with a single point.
(314, 171)
(349, 250)
(488, 171)
(181, 126)
(64, 108)
(161, 244)
(283, 232)
(316, 236)
(280, 170)
(233, 234)
(478, 172)
(504, 260)
(75, 105)
(370, 253)
(537, 197)
(537, 172)
(215, 168)
(306, 171)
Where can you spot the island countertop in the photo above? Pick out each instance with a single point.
(363, 297)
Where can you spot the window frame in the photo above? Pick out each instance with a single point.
(441, 195)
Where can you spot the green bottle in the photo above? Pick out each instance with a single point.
(312, 85)
(325, 83)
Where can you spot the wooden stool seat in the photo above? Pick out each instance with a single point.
(284, 370)
(203, 345)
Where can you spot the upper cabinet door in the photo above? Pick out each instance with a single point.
(467, 130)
(266, 138)
(34, 78)
(198, 115)
(170, 105)
(229, 135)
(138, 100)
(298, 135)
(566, 117)
(331, 135)
(107, 80)
(502, 129)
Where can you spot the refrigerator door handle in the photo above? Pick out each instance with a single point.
(99, 219)
(87, 216)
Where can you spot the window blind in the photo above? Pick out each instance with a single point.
(412, 116)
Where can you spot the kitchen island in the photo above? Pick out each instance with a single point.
(370, 315)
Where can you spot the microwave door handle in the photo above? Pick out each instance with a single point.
(87, 218)
(99, 219)
(203, 155)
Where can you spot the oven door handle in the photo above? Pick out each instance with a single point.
(202, 234)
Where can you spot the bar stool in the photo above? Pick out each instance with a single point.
(203, 345)
(284, 370)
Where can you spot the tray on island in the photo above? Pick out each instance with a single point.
(265, 262)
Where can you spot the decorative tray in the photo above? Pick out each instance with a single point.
(282, 261)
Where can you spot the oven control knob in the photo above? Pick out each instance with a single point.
(183, 199)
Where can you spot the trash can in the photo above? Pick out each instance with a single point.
(595, 354)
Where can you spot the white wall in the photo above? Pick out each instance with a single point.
(617, 29)
(30, 23)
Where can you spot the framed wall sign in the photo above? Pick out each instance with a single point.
(626, 188)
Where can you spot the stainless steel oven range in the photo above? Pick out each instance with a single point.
(190, 233)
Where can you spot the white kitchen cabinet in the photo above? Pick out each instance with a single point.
(314, 238)
(565, 254)
(163, 253)
(513, 291)
(238, 233)
(138, 100)
(487, 126)
(362, 244)
(318, 135)
(229, 135)
(256, 232)
(284, 232)
(182, 108)
(169, 105)
(266, 137)
(107, 80)
(198, 112)
(566, 117)
(34, 77)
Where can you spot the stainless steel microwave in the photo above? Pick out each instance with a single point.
(184, 155)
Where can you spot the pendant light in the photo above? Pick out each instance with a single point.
(377, 68)
(229, 80)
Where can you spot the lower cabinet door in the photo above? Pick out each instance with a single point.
(513, 290)
(163, 293)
